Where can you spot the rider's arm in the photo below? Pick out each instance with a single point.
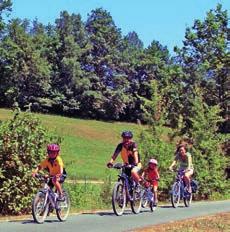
(143, 174)
(61, 166)
(172, 165)
(189, 161)
(135, 154)
(36, 170)
(158, 175)
(116, 153)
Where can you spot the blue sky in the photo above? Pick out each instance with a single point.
(161, 20)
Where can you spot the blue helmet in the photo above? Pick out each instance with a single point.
(127, 134)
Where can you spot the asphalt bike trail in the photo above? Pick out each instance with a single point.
(104, 221)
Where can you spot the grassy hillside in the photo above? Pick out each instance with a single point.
(87, 144)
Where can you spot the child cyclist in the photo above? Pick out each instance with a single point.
(54, 164)
(151, 176)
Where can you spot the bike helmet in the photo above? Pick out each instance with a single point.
(127, 134)
(53, 147)
(153, 161)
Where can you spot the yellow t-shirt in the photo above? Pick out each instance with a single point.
(54, 167)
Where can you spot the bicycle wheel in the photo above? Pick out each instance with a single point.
(137, 200)
(187, 199)
(63, 207)
(119, 198)
(144, 202)
(152, 204)
(40, 208)
(175, 194)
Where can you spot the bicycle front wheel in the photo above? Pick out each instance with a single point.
(137, 200)
(63, 207)
(144, 200)
(39, 207)
(175, 194)
(119, 198)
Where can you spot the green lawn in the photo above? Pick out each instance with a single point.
(87, 144)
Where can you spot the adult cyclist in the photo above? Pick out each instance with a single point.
(129, 154)
(184, 159)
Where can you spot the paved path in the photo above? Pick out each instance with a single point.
(107, 221)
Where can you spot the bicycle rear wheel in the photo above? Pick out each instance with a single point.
(152, 206)
(63, 207)
(137, 200)
(119, 198)
(39, 208)
(175, 194)
(187, 199)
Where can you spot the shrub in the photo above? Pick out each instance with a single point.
(22, 141)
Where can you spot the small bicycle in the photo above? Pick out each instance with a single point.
(179, 191)
(45, 201)
(124, 190)
(148, 198)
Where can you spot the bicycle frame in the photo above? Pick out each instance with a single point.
(50, 195)
(126, 180)
(180, 191)
(148, 194)
(179, 179)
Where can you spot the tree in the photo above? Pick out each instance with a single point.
(24, 72)
(209, 160)
(108, 81)
(205, 59)
(133, 40)
(5, 8)
(67, 77)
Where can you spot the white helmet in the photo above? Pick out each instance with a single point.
(153, 161)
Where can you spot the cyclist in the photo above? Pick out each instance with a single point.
(184, 159)
(151, 176)
(129, 155)
(54, 164)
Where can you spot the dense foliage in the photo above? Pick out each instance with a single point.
(22, 143)
(88, 69)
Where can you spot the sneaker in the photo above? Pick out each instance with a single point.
(61, 198)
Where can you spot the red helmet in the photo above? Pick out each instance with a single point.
(153, 161)
(53, 147)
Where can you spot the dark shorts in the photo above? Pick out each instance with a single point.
(62, 179)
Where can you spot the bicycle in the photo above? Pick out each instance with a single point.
(46, 200)
(148, 198)
(125, 190)
(180, 191)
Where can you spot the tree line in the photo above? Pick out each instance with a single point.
(88, 69)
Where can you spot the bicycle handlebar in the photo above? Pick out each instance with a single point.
(42, 177)
(120, 166)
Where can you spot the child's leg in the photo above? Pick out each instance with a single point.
(155, 186)
(155, 194)
(57, 184)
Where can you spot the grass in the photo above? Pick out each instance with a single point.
(215, 223)
(87, 144)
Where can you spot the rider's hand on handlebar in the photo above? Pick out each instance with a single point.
(109, 165)
(129, 166)
(34, 174)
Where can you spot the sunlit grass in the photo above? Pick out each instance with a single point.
(87, 144)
